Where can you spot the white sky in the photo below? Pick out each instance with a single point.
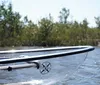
(37, 9)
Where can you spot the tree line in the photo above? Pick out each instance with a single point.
(17, 32)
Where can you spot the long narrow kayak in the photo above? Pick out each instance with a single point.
(46, 49)
(79, 49)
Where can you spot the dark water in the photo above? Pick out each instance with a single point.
(70, 70)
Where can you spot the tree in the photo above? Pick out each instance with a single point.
(64, 14)
(29, 34)
(85, 23)
(10, 26)
(45, 27)
(97, 21)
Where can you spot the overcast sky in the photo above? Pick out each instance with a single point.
(37, 9)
